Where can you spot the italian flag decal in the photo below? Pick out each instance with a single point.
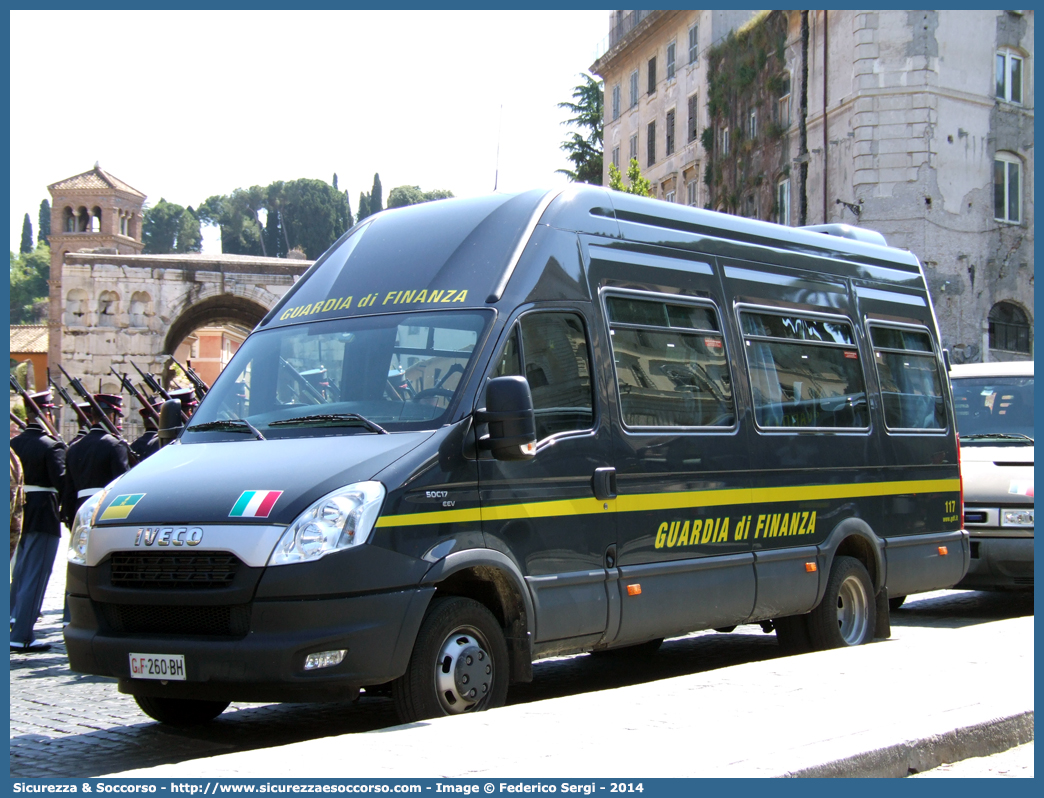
(255, 504)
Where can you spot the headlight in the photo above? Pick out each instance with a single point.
(337, 521)
(81, 529)
(1023, 518)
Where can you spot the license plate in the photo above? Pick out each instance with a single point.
(158, 666)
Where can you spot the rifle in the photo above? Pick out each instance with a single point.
(87, 397)
(18, 422)
(198, 385)
(81, 417)
(157, 388)
(31, 405)
(129, 387)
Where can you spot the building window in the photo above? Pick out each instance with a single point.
(693, 111)
(633, 152)
(652, 144)
(670, 60)
(1009, 76)
(783, 201)
(1009, 328)
(670, 132)
(616, 101)
(669, 196)
(652, 75)
(694, 192)
(784, 102)
(725, 141)
(1007, 194)
(752, 125)
(693, 43)
(616, 157)
(634, 89)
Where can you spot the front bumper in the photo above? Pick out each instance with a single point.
(999, 564)
(266, 663)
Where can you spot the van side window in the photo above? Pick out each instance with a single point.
(553, 357)
(804, 372)
(671, 368)
(909, 375)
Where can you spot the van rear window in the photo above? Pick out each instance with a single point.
(671, 367)
(910, 385)
(804, 372)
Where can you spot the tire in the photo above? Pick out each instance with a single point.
(459, 663)
(847, 614)
(180, 711)
(646, 649)
(896, 602)
(792, 634)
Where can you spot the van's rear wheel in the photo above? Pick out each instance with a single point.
(180, 711)
(847, 614)
(459, 663)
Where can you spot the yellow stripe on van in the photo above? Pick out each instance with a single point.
(649, 502)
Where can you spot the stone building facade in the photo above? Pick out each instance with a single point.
(655, 80)
(918, 124)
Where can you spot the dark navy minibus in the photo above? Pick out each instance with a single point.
(479, 432)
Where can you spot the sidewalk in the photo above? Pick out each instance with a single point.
(887, 709)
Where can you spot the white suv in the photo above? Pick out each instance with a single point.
(994, 407)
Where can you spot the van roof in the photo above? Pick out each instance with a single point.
(463, 252)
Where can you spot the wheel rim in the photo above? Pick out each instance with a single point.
(463, 671)
(852, 614)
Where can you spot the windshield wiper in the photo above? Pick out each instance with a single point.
(1004, 436)
(228, 425)
(330, 420)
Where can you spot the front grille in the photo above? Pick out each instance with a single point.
(1024, 581)
(173, 570)
(221, 621)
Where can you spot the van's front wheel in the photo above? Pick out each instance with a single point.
(847, 614)
(459, 663)
(180, 711)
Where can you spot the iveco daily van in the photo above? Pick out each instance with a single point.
(542, 423)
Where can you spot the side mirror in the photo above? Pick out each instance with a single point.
(169, 421)
(509, 414)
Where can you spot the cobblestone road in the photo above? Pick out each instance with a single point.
(67, 725)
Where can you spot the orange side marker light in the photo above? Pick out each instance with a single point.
(634, 590)
(810, 567)
(943, 551)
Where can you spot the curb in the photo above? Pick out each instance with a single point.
(916, 756)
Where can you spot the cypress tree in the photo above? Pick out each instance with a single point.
(348, 209)
(27, 235)
(44, 227)
(364, 206)
(335, 181)
(375, 195)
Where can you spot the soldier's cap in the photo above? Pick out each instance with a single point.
(42, 398)
(186, 396)
(155, 402)
(110, 402)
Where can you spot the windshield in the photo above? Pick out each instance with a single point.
(363, 375)
(993, 406)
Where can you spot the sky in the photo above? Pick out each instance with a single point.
(187, 104)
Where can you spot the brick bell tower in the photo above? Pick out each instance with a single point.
(89, 211)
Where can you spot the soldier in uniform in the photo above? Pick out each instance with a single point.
(43, 468)
(147, 443)
(188, 400)
(96, 459)
(83, 428)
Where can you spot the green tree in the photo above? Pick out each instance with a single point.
(637, 184)
(236, 215)
(44, 226)
(190, 237)
(376, 196)
(364, 206)
(29, 272)
(27, 235)
(585, 149)
(401, 196)
(311, 215)
(347, 211)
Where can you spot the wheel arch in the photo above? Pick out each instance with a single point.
(853, 537)
(492, 579)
